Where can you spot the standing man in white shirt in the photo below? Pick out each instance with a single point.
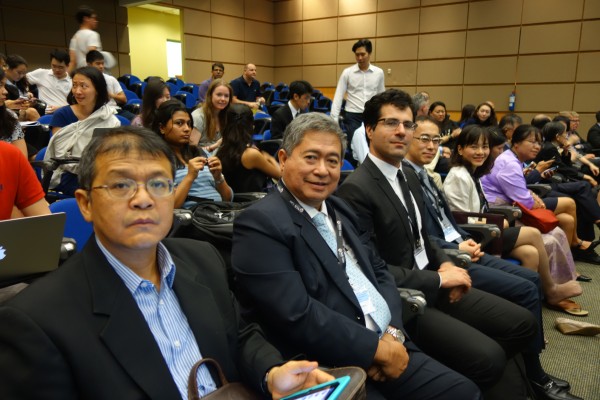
(85, 39)
(54, 85)
(358, 83)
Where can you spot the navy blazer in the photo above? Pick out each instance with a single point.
(78, 332)
(432, 222)
(293, 285)
(381, 212)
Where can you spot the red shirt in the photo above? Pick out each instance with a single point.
(19, 185)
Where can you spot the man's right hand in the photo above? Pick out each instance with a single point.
(453, 276)
(391, 359)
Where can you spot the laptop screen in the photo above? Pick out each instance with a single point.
(30, 246)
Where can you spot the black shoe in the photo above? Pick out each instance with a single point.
(587, 255)
(551, 391)
(584, 278)
(560, 382)
(594, 244)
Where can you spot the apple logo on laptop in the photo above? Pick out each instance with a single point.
(2, 253)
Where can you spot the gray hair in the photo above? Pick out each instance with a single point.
(311, 122)
(122, 140)
(420, 99)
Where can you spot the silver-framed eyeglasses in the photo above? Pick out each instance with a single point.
(127, 188)
(425, 139)
(394, 123)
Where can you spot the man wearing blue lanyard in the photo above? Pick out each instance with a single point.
(467, 329)
(315, 285)
(492, 274)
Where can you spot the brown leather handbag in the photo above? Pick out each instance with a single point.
(226, 390)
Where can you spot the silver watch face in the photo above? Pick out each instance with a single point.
(400, 336)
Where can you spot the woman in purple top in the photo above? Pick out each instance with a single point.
(506, 183)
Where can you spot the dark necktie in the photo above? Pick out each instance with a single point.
(410, 207)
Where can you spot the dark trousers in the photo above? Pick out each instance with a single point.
(514, 283)
(475, 335)
(588, 209)
(424, 378)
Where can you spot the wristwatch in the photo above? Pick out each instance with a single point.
(396, 333)
(220, 180)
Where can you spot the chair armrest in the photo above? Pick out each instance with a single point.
(510, 213)
(248, 196)
(460, 258)
(68, 247)
(482, 233)
(540, 189)
(271, 146)
(413, 303)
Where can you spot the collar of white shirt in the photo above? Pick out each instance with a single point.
(293, 109)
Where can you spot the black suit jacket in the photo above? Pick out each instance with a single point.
(593, 136)
(280, 120)
(431, 220)
(294, 286)
(382, 213)
(78, 332)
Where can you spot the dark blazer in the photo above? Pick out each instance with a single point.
(369, 193)
(78, 332)
(431, 221)
(280, 120)
(295, 288)
(593, 136)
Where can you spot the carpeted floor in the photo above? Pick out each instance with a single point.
(576, 358)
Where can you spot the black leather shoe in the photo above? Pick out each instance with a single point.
(584, 278)
(551, 391)
(561, 383)
(587, 255)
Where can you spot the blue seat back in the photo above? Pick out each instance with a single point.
(124, 121)
(76, 227)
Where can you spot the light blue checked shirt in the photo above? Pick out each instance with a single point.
(165, 319)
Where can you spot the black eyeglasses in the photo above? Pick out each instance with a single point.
(394, 123)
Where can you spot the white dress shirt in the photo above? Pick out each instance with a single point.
(359, 86)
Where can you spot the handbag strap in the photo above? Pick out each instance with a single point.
(193, 378)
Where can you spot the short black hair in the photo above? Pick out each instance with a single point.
(551, 130)
(123, 140)
(395, 97)
(60, 56)
(540, 120)
(93, 56)
(562, 118)
(511, 119)
(523, 132)
(83, 12)
(597, 116)
(366, 43)
(300, 88)
(217, 64)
